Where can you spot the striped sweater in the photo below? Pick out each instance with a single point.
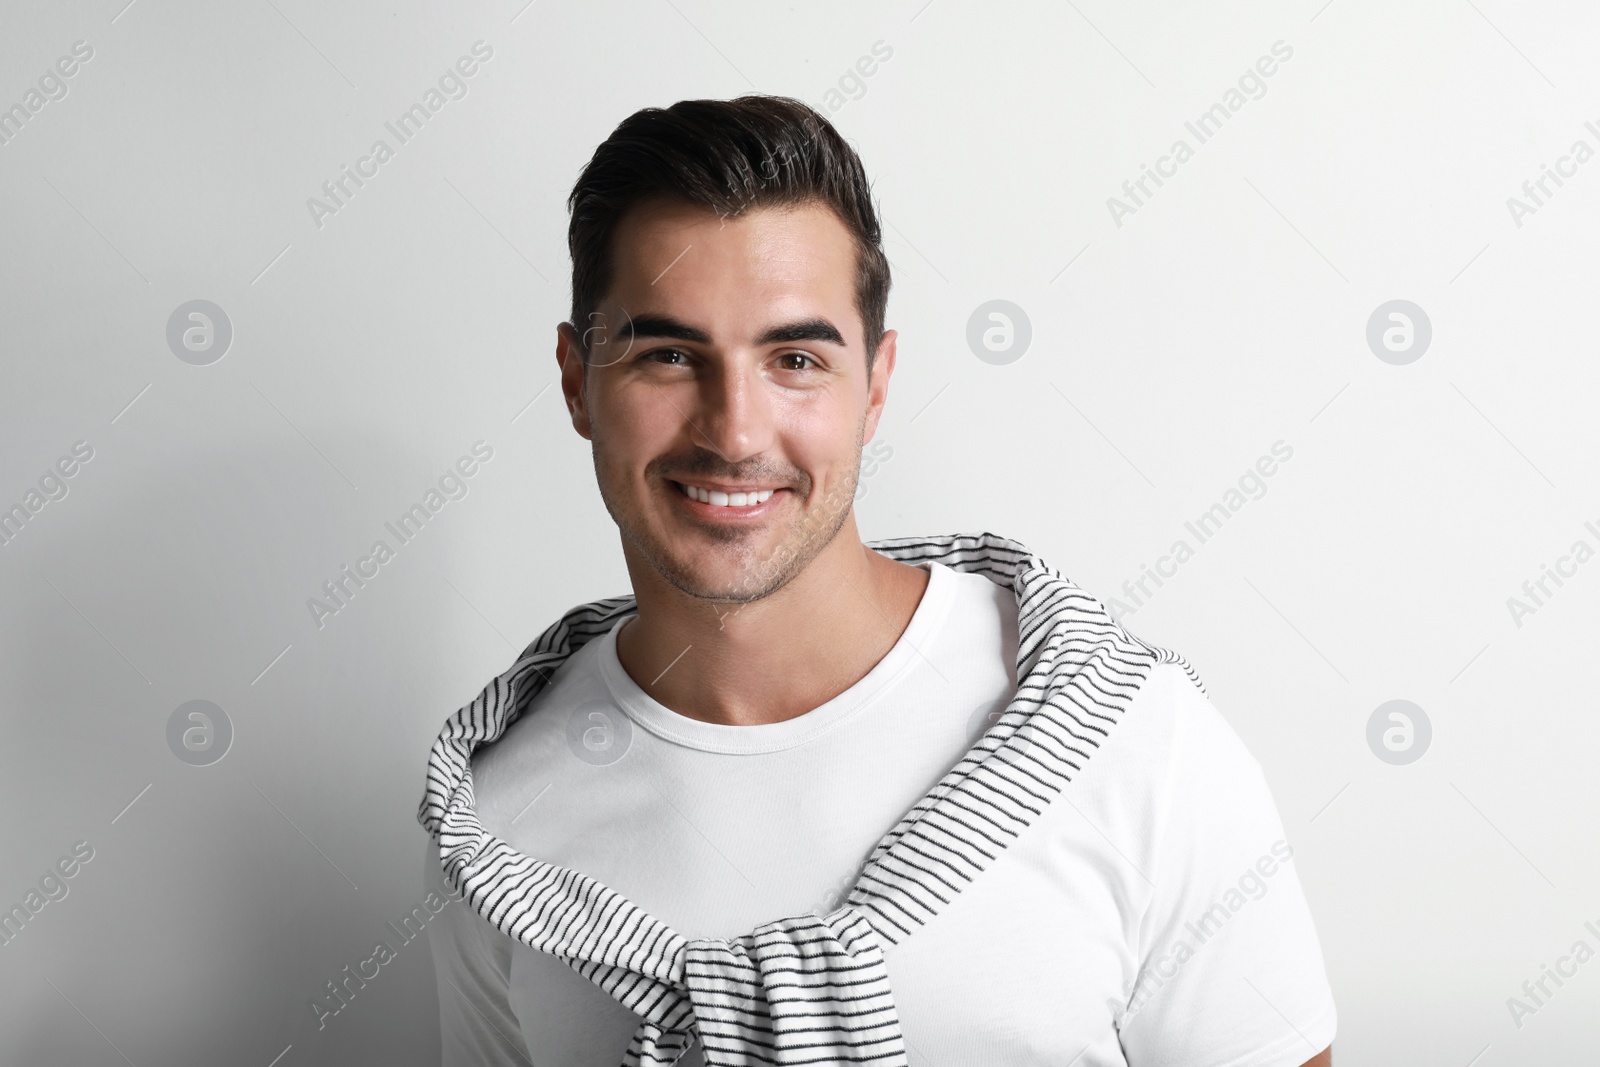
(812, 988)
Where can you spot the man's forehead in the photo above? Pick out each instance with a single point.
(774, 275)
(656, 237)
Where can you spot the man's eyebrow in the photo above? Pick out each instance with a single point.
(816, 329)
(805, 330)
(661, 326)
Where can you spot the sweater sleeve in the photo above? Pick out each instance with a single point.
(1231, 970)
(472, 966)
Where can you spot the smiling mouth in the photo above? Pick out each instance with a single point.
(722, 498)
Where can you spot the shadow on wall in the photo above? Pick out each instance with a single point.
(224, 894)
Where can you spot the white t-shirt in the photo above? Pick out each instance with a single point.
(1150, 916)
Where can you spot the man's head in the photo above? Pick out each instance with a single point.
(727, 339)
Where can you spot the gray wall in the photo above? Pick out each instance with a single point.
(1172, 345)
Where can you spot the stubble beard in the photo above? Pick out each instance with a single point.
(760, 573)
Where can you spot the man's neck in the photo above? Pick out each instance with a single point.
(778, 657)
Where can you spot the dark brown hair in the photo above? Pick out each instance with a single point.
(727, 156)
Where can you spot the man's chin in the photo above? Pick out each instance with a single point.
(720, 573)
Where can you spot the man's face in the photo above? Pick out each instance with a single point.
(727, 396)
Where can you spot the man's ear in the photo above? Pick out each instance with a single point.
(574, 372)
(878, 384)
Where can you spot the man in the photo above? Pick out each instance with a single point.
(799, 799)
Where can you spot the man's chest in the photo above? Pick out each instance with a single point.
(1025, 967)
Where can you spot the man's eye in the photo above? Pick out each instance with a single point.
(669, 356)
(796, 361)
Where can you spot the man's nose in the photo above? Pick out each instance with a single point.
(734, 418)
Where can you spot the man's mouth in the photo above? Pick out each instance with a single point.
(727, 496)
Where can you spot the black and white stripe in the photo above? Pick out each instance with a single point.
(811, 989)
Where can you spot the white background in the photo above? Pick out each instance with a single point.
(1168, 354)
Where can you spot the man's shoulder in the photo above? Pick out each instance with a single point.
(1170, 730)
(1200, 732)
(1165, 695)
(1187, 768)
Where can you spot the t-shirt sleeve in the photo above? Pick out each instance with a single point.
(1231, 970)
(472, 966)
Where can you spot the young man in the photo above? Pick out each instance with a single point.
(805, 800)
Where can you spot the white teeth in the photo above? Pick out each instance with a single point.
(727, 500)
